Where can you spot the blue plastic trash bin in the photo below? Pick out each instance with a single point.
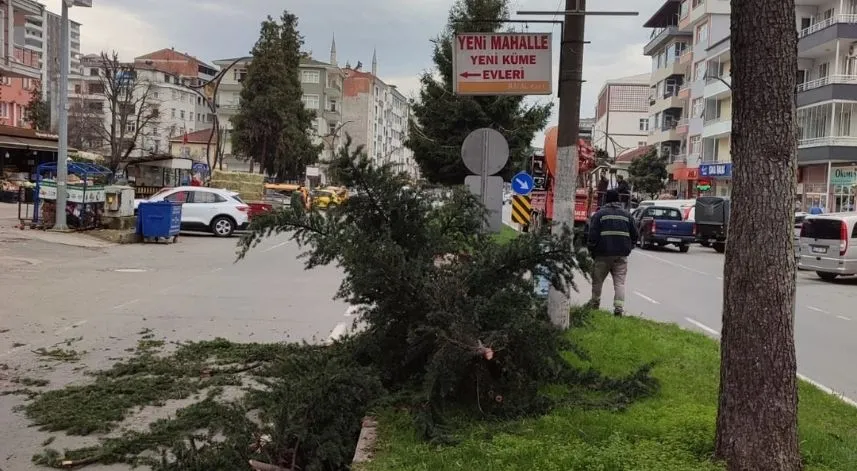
(159, 219)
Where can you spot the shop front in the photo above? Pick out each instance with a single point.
(843, 180)
(715, 179)
(812, 187)
(685, 180)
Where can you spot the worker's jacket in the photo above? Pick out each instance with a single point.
(611, 232)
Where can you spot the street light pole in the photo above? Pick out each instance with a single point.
(62, 147)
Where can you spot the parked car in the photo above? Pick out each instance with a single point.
(324, 199)
(711, 216)
(663, 225)
(828, 245)
(218, 211)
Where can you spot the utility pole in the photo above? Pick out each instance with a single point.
(568, 131)
(570, 84)
(62, 151)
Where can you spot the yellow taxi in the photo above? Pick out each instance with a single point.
(340, 191)
(325, 198)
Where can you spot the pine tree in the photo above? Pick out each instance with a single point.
(272, 127)
(37, 111)
(443, 120)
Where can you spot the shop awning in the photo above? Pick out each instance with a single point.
(28, 143)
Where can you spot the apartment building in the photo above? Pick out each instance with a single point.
(827, 103)
(90, 117)
(376, 115)
(322, 92)
(186, 70)
(622, 115)
(670, 48)
(710, 111)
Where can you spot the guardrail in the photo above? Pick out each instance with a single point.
(815, 27)
(823, 81)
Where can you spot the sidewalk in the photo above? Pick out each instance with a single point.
(9, 231)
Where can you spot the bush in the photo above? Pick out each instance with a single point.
(450, 317)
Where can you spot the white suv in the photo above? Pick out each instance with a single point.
(220, 212)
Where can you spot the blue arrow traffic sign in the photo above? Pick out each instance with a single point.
(522, 183)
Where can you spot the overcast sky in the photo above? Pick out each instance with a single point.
(400, 30)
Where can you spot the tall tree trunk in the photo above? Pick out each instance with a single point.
(757, 413)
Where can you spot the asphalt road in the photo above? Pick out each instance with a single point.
(100, 300)
(687, 289)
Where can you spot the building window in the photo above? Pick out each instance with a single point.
(310, 76)
(172, 112)
(332, 106)
(155, 95)
(701, 36)
(695, 145)
(4, 110)
(699, 70)
(310, 101)
(93, 72)
(239, 74)
(95, 88)
(644, 124)
(331, 129)
(182, 114)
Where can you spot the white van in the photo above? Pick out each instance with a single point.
(685, 206)
(828, 245)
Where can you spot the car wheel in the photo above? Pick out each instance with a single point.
(705, 243)
(222, 226)
(645, 244)
(826, 276)
(720, 247)
(683, 248)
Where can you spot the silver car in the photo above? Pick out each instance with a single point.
(828, 245)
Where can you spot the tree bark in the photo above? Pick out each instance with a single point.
(757, 413)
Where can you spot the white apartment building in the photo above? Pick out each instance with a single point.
(710, 118)
(827, 103)
(670, 49)
(622, 115)
(174, 104)
(376, 115)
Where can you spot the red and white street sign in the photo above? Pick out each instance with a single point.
(538, 200)
(502, 64)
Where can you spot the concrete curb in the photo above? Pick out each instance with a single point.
(365, 449)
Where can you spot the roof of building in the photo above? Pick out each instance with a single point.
(183, 54)
(639, 79)
(665, 15)
(196, 137)
(632, 154)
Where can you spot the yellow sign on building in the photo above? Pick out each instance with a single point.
(522, 209)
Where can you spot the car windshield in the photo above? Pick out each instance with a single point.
(160, 193)
(664, 213)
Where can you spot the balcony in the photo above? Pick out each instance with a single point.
(832, 87)
(678, 159)
(333, 89)
(814, 40)
(717, 87)
(825, 149)
(673, 68)
(24, 63)
(683, 127)
(708, 7)
(830, 141)
(686, 57)
(665, 133)
(684, 91)
(668, 101)
(660, 37)
(717, 127)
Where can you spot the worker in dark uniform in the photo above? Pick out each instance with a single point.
(612, 236)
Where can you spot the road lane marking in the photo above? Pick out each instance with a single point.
(126, 304)
(824, 388)
(216, 270)
(817, 309)
(843, 318)
(646, 297)
(668, 262)
(807, 379)
(703, 326)
(720, 278)
(275, 247)
(73, 326)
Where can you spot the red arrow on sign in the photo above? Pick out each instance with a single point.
(470, 74)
